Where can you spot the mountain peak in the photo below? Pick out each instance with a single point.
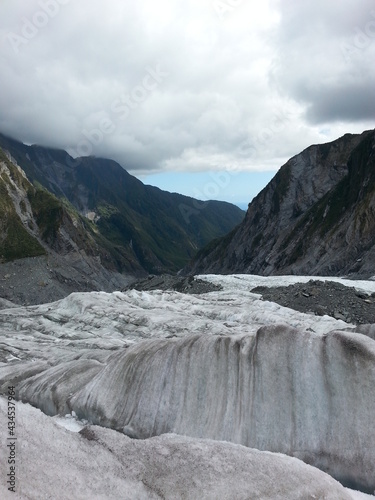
(94, 211)
(316, 216)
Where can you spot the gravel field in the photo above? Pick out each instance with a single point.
(324, 298)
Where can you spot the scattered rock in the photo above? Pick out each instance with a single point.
(324, 298)
(338, 315)
(38, 280)
(361, 294)
(181, 284)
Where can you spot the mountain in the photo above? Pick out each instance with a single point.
(47, 249)
(34, 221)
(131, 227)
(315, 217)
(17, 224)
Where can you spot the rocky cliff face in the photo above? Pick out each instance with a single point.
(34, 221)
(18, 228)
(47, 249)
(316, 216)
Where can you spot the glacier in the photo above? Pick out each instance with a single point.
(223, 366)
(100, 464)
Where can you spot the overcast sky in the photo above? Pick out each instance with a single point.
(191, 87)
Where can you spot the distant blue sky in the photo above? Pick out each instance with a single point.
(238, 188)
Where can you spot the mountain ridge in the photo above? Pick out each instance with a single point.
(307, 220)
(159, 231)
(90, 225)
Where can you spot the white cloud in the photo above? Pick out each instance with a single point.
(240, 83)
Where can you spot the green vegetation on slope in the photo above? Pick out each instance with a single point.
(135, 225)
(47, 210)
(15, 241)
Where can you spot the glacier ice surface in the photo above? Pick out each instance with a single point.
(224, 366)
(100, 463)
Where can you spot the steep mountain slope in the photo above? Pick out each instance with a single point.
(34, 221)
(47, 249)
(159, 231)
(17, 224)
(316, 216)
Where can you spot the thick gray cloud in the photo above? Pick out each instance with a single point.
(325, 58)
(186, 85)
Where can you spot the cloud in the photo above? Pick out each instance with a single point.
(185, 85)
(323, 60)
